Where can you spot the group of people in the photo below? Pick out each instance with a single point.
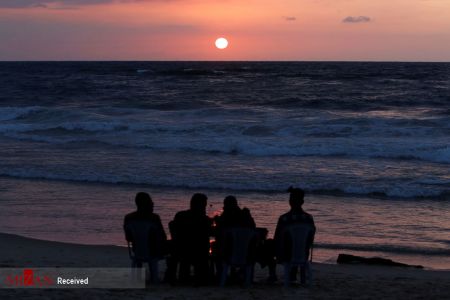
(191, 231)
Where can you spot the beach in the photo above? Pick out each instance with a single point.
(92, 213)
(330, 281)
(368, 142)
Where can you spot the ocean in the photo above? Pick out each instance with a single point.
(369, 142)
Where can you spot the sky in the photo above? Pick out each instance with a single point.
(298, 30)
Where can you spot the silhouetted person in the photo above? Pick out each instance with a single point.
(295, 216)
(143, 219)
(172, 259)
(266, 254)
(190, 231)
(232, 217)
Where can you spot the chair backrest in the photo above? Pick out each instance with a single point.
(145, 239)
(297, 236)
(241, 243)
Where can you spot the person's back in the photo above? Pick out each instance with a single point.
(233, 216)
(191, 232)
(144, 214)
(144, 230)
(295, 216)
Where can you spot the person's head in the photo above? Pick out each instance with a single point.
(296, 197)
(230, 203)
(144, 202)
(199, 202)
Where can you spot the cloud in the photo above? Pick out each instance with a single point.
(290, 18)
(360, 19)
(46, 3)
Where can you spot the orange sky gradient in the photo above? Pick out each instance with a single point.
(398, 30)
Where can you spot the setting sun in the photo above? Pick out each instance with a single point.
(221, 43)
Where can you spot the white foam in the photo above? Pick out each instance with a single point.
(247, 131)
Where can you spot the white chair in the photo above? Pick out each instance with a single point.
(296, 237)
(144, 248)
(240, 243)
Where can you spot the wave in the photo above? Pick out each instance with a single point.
(69, 127)
(239, 131)
(386, 248)
(12, 113)
(170, 182)
(185, 139)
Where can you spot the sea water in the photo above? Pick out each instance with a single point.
(369, 142)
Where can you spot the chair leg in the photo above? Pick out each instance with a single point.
(136, 270)
(223, 277)
(133, 271)
(146, 266)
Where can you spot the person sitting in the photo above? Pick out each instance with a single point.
(265, 254)
(190, 231)
(144, 230)
(296, 215)
(232, 217)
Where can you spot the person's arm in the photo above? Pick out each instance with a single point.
(277, 239)
(278, 229)
(128, 236)
(161, 228)
(313, 233)
(313, 226)
(250, 222)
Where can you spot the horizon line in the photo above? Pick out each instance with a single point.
(225, 61)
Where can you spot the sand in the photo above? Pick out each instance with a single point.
(330, 282)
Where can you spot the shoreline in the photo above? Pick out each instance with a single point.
(243, 192)
(93, 214)
(330, 281)
(332, 254)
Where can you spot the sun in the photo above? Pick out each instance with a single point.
(221, 43)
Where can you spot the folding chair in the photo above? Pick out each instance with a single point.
(296, 237)
(239, 245)
(145, 247)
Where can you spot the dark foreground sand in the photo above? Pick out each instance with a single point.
(331, 281)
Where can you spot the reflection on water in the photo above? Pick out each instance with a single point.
(414, 231)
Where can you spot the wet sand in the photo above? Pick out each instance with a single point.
(330, 281)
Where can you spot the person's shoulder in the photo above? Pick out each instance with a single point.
(181, 213)
(285, 217)
(155, 217)
(308, 216)
(130, 216)
(246, 211)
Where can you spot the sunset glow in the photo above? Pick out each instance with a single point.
(399, 30)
